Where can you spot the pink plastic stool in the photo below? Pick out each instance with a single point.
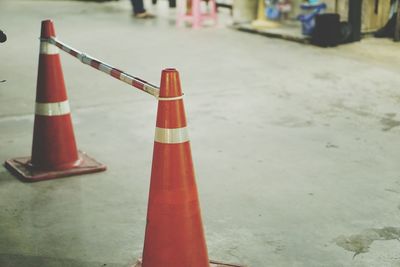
(196, 17)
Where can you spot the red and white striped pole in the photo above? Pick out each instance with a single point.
(104, 67)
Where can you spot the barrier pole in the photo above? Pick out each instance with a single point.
(106, 68)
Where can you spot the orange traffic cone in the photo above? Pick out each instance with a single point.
(54, 152)
(174, 232)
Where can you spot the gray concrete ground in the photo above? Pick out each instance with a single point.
(296, 148)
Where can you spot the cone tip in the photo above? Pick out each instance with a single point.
(170, 70)
(170, 83)
(47, 29)
(47, 21)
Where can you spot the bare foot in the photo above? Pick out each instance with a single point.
(144, 15)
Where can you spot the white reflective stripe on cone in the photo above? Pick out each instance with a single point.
(52, 109)
(171, 136)
(48, 49)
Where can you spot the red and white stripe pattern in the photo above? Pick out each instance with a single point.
(114, 72)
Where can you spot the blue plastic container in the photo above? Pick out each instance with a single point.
(308, 19)
(272, 13)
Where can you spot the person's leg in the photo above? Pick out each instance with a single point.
(138, 6)
(188, 6)
(172, 3)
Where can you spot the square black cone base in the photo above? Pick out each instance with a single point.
(27, 173)
(212, 264)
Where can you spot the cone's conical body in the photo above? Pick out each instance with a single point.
(54, 146)
(174, 232)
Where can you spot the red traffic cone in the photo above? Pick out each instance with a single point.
(54, 152)
(174, 232)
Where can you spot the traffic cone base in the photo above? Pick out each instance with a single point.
(23, 168)
(212, 264)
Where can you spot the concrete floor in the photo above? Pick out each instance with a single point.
(296, 148)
